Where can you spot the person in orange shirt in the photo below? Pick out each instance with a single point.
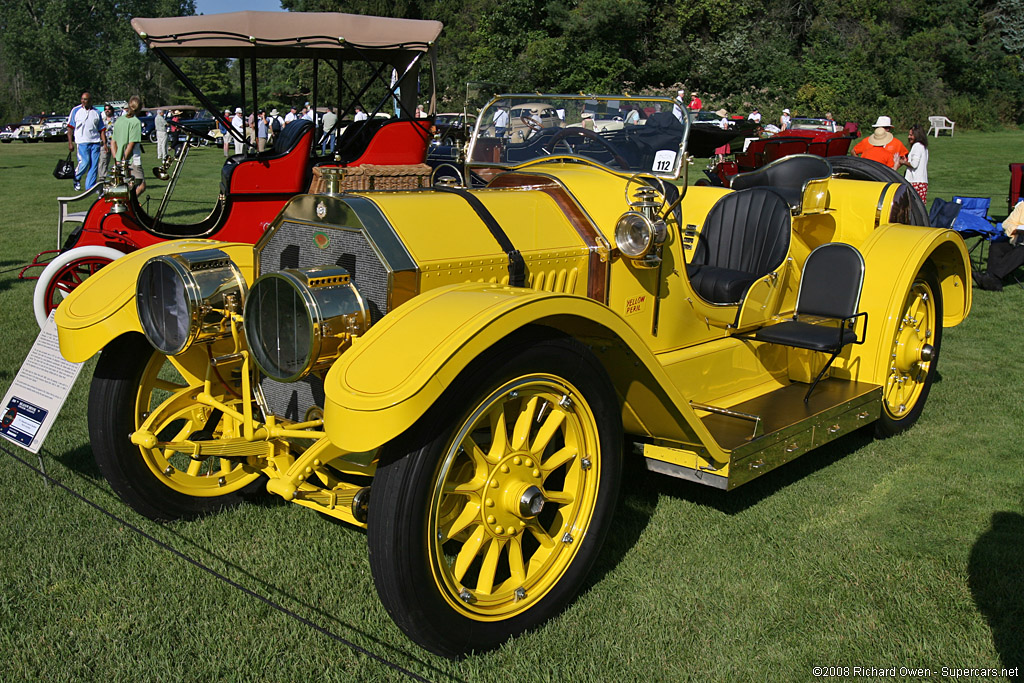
(881, 146)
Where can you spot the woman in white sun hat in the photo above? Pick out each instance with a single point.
(881, 145)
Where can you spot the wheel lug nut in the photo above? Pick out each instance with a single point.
(490, 519)
(504, 469)
(517, 460)
(528, 462)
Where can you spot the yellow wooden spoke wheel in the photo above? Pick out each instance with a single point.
(491, 527)
(137, 390)
(913, 357)
(514, 496)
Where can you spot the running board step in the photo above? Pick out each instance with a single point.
(791, 428)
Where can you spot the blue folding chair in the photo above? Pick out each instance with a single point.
(973, 220)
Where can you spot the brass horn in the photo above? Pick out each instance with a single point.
(161, 170)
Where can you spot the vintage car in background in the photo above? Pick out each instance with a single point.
(528, 118)
(197, 120)
(821, 124)
(451, 121)
(381, 152)
(463, 372)
(51, 128)
(21, 130)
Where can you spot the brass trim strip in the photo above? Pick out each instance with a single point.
(881, 202)
(756, 419)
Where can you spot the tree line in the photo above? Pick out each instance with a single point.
(855, 58)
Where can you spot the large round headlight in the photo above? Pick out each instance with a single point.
(298, 321)
(634, 235)
(186, 298)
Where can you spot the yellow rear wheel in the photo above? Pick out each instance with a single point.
(913, 356)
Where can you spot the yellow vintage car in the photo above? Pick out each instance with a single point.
(462, 371)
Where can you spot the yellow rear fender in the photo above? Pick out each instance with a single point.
(403, 365)
(103, 307)
(894, 255)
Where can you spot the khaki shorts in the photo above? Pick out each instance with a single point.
(135, 170)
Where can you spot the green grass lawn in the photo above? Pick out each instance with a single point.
(907, 552)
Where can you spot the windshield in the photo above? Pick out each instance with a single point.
(623, 133)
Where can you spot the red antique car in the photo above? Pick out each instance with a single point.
(255, 185)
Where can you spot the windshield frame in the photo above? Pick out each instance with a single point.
(511, 99)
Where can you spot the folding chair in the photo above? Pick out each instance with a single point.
(974, 221)
(830, 287)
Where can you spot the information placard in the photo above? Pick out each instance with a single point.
(38, 392)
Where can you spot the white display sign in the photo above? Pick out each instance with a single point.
(664, 161)
(38, 392)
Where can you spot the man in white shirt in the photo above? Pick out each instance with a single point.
(290, 116)
(238, 123)
(360, 114)
(677, 106)
(330, 124)
(86, 125)
(500, 122)
(160, 126)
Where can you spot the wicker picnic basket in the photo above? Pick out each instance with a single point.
(369, 177)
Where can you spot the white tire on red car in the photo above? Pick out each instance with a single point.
(66, 272)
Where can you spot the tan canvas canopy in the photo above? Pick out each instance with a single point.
(280, 34)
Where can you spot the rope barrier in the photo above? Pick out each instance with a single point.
(213, 572)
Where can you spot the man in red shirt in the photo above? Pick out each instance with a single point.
(881, 146)
(695, 102)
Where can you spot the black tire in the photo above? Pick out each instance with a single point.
(115, 412)
(908, 381)
(857, 168)
(415, 548)
(152, 137)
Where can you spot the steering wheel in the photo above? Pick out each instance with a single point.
(590, 135)
(531, 123)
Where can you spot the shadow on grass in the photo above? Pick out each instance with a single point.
(80, 461)
(752, 493)
(995, 571)
(636, 505)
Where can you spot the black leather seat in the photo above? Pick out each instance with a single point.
(788, 177)
(830, 287)
(745, 237)
(283, 145)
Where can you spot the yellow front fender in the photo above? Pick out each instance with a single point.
(392, 375)
(103, 307)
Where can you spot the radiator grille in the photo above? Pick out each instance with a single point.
(294, 245)
(291, 401)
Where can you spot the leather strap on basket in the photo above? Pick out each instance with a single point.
(516, 264)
